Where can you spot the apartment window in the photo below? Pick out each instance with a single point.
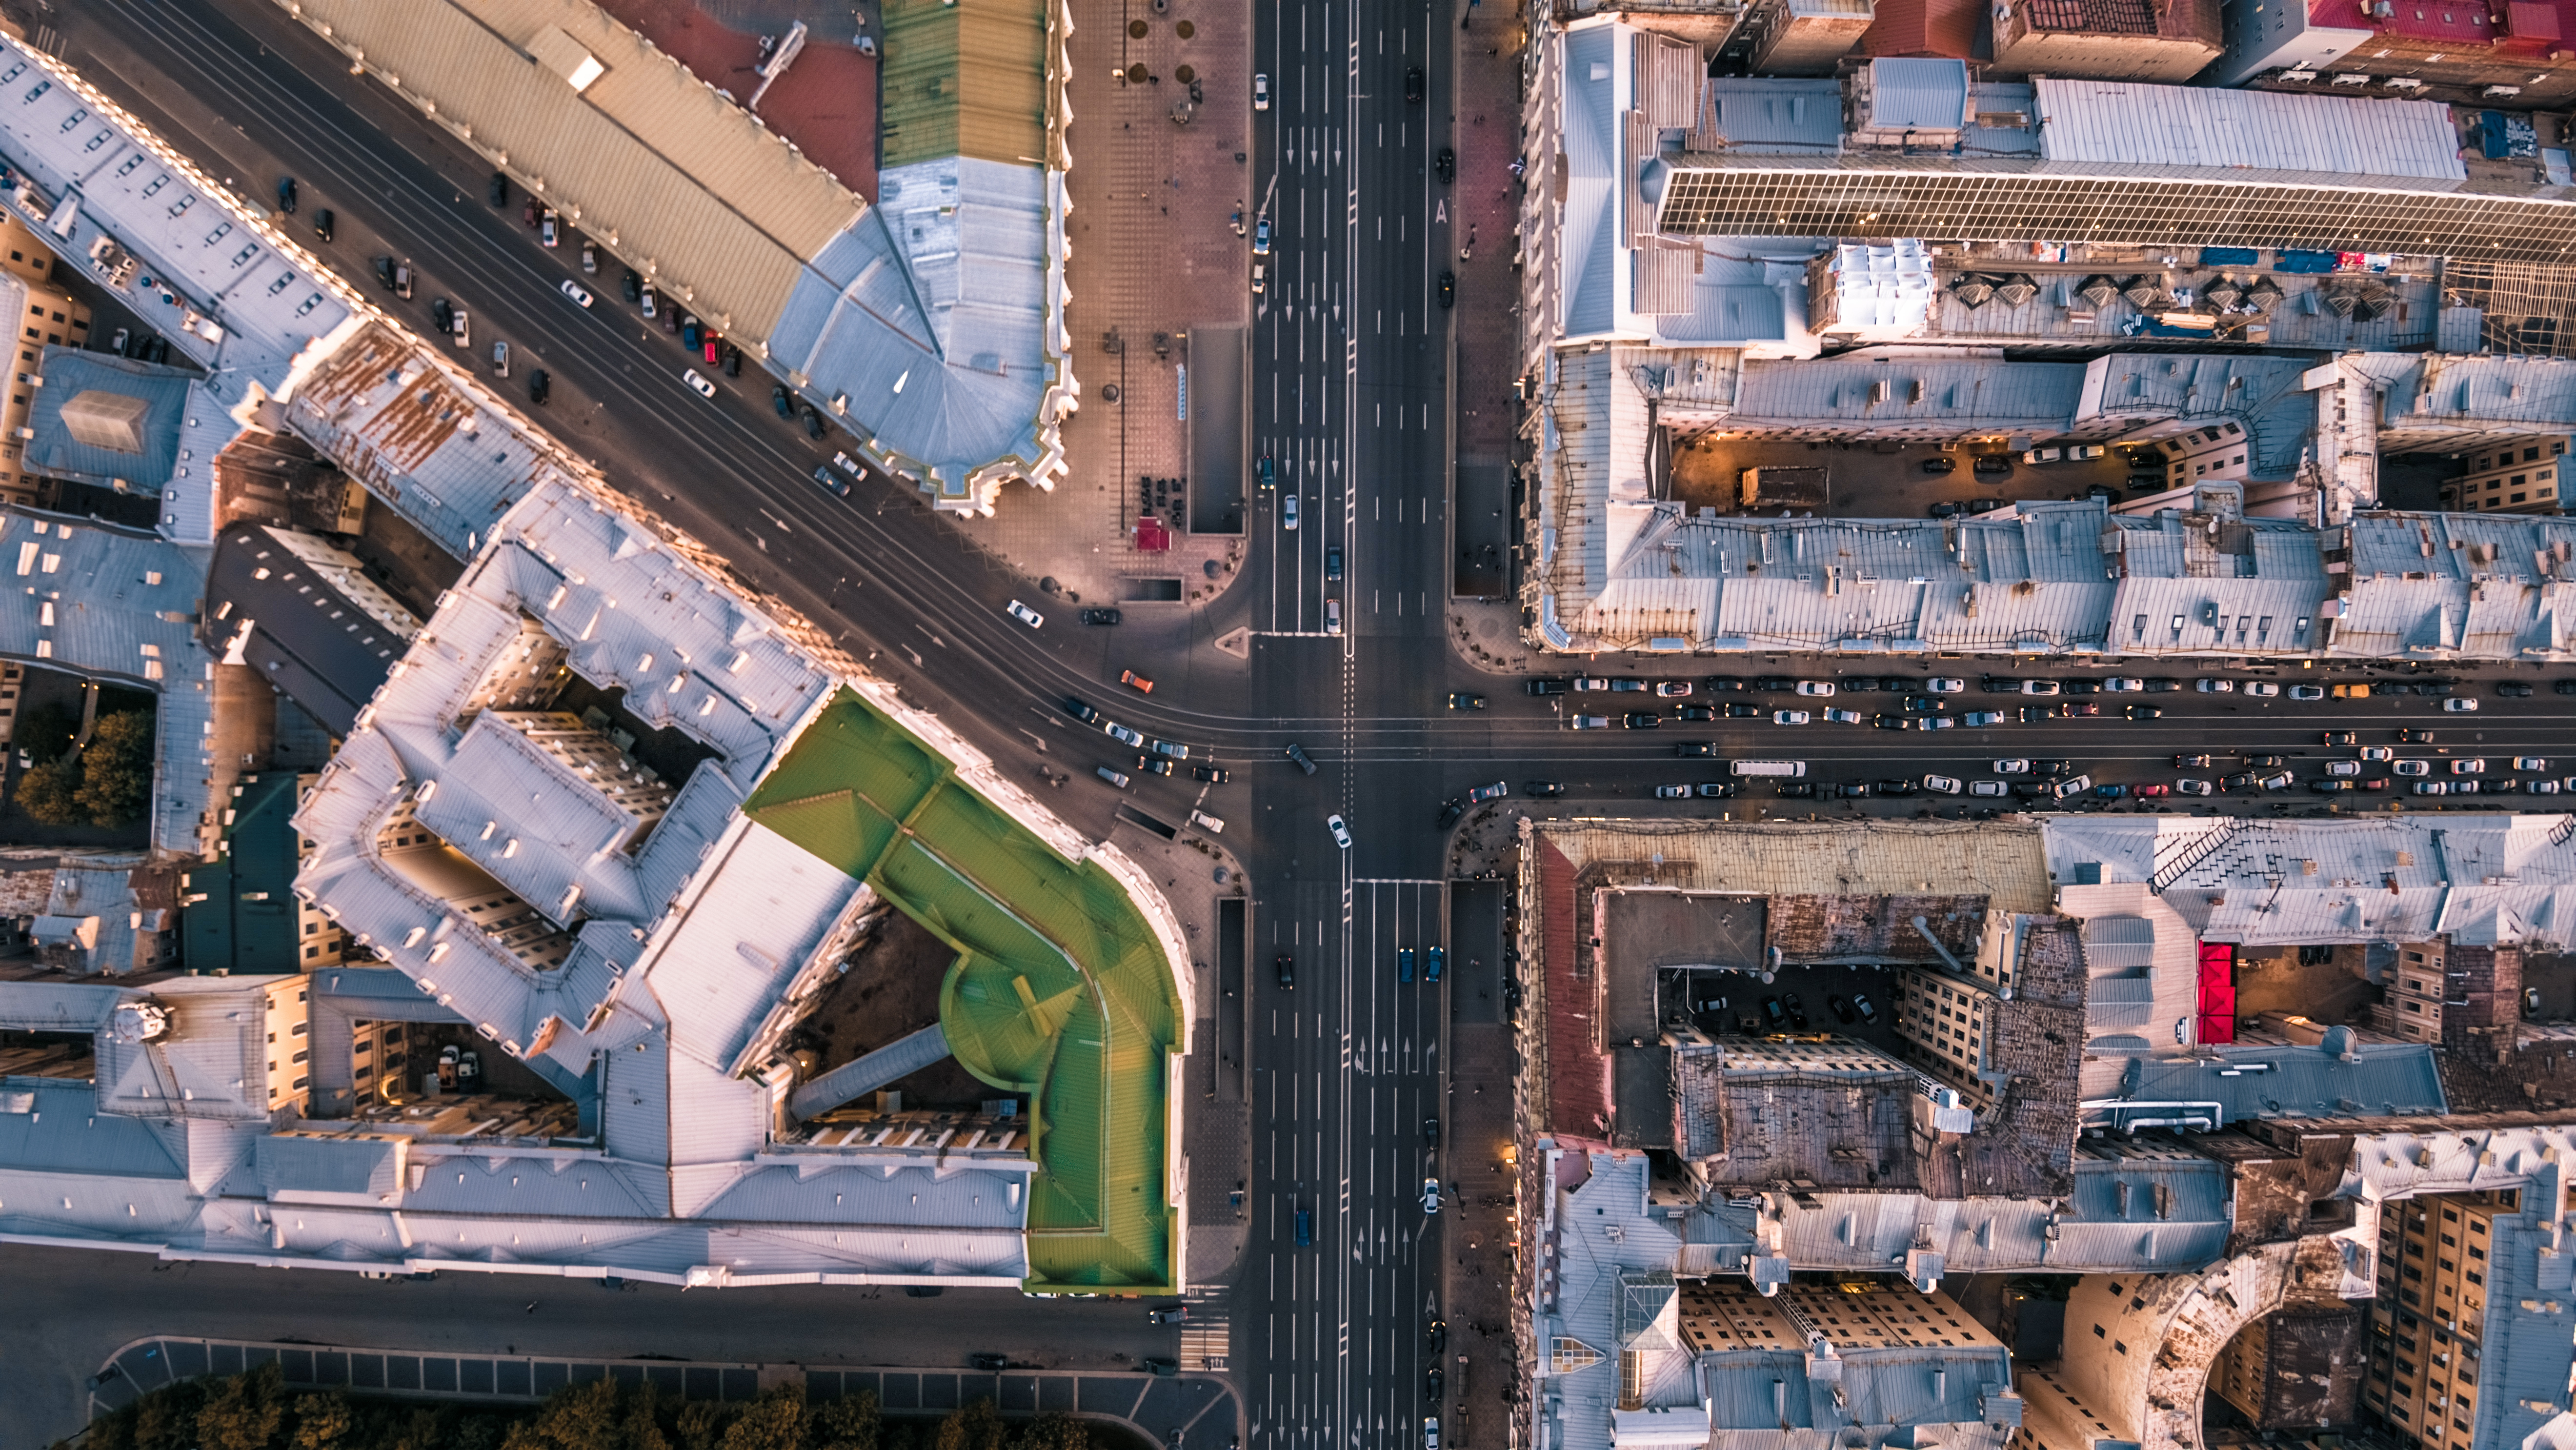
(2450, 1215)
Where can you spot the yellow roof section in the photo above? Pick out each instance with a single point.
(632, 157)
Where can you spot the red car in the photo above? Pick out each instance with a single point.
(714, 348)
(2077, 709)
(2151, 789)
(1136, 682)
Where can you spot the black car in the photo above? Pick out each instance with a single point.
(1286, 966)
(1713, 790)
(442, 315)
(323, 222)
(1543, 789)
(2030, 790)
(1797, 1010)
(1450, 810)
(1694, 750)
(1774, 1016)
(1899, 684)
(1695, 713)
(839, 487)
(2242, 781)
(779, 403)
(2145, 712)
(1937, 465)
(1775, 684)
(732, 361)
(2031, 714)
(1413, 82)
(2565, 687)
(1859, 685)
(1154, 764)
(2051, 769)
(1887, 721)
(2267, 762)
(1852, 790)
(1436, 1335)
(1448, 288)
(1742, 711)
(1998, 685)
(1641, 720)
(988, 1361)
(2438, 689)
(1431, 1132)
(1465, 700)
(2161, 686)
(1841, 1009)
(539, 386)
(1298, 754)
(1804, 790)
(1948, 508)
(2514, 689)
(1212, 774)
(2414, 737)
(1921, 704)
(2191, 762)
(1991, 465)
(1446, 164)
(633, 285)
(1545, 685)
(385, 272)
(1897, 788)
(286, 194)
(1101, 616)
(1431, 1381)
(1729, 684)
(501, 196)
(2081, 687)
(1081, 711)
(813, 422)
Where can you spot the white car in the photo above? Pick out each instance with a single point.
(2456, 705)
(2010, 767)
(1820, 689)
(2215, 687)
(1672, 689)
(462, 328)
(2122, 684)
(2343, 768)
(2377, 752)
(1430, 1432)
(1944, 685)
(2039, 687)
(1124, 735)
(1341, 833)
(2307, 692)
(2194, 787)
(2282, 781)
(1844, 717)
(1984, 717)
(1945, 784)
(1790, 717)
(2530, 762)
(2542, 787)
(1937, 722)
(1988, 788)
(2432, 787)
(2073, 785)
(1288, 511)
(575, 291)
(2470, 766)
(698, 385)
(1591, 722)
(2261, 689)
(1430, 1195)
(1261, 91)
(1018, 611)
(2413, 767)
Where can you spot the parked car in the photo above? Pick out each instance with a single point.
(1641, 720)
(1543, 789)
(1987, 789)
(1025, 615)
(2144, 712)
(1694, 749)
(2191, 762)
(2193, 787)
(540, 386)
(1843, 717)
(2214, 687)
(1672, 689)
(1938, 464)
(2514, 689)
(1944, 784)
(1990, 465)
(1816, 689)
(1101, 616)
(2460, 705)
(2014, 766)
(1790, 717)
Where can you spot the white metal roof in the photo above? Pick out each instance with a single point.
(2127, 123)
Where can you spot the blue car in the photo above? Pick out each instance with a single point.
(1305, 1226)
(2110, 792)
(1431, 961)
(1404, 964)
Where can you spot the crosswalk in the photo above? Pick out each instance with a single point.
(1203, 1335)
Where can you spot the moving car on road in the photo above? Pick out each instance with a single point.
(1017, 610)
(1790, 717)
(1461, 700)
(1341, 833)
(1136, 682)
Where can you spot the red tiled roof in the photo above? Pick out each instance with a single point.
(1944, 28)
(1578, 1075)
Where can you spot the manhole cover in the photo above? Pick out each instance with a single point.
(1184, 74)
(1109, 392)
(1136, 29)
(1185, 30)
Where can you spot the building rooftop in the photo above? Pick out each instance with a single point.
(306, 617)
(100, 419)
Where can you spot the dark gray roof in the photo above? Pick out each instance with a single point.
(296, 640)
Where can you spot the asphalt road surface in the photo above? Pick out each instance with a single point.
(1350, 401)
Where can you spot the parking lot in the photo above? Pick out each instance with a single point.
(1881, 480)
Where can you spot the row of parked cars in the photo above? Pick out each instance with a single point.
(1670, 689)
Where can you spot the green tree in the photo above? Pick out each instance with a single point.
(642, 1425)
(1055, 1430)
(50, 794)
(701, 1424)
(321, 1421)
(576, 1417)
(774, 1421)
(852, 1422)
(975, 1427)
(245, 1411)
(116, 769)
(47, 731)
(168, 1418)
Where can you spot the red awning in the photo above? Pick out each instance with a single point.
(2217, 992)
(1151, 536)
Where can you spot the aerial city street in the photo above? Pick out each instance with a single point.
(1387, 725)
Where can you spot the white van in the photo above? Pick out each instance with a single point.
(1788, 768)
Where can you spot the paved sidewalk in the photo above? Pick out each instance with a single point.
(1485, 211)
(1153, 254)
(1481, 1239)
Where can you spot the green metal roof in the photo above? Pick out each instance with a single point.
(245, 922)
(1060, 988)
(964, 78)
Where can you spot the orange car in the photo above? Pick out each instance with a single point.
(1138, 682)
